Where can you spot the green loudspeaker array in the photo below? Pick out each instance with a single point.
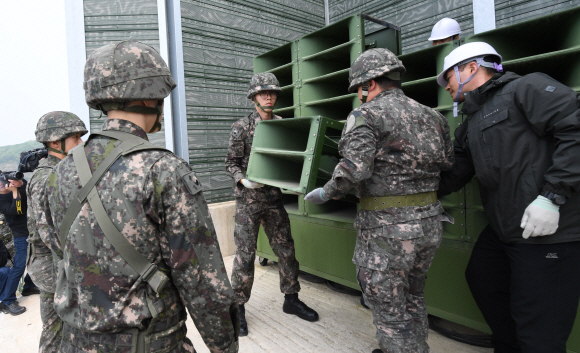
(313, 70)
(295, 154)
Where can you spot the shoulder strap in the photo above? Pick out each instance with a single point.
(129, 143)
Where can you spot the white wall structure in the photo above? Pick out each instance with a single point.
(75, 39)
(483, 15)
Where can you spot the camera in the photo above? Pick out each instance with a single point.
(5, 177)
(29, 159)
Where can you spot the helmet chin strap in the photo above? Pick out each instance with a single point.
(141, 110)
(265, 109)
(460, 89)
(365, 92)
(62, 146)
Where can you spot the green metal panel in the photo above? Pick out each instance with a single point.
(324, 58)
(321, 248)
(446, 291)
(295, 154)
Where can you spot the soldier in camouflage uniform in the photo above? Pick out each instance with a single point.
(7, 251)
(260, 204)
(59, 132)
(393, 150)
(155, 202)
(6, 236)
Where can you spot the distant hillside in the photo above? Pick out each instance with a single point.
(10, 155)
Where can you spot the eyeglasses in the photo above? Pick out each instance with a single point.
(266, 94)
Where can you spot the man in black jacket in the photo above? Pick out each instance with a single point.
(13, 205)
(521, 138)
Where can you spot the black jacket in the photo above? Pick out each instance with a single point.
(521, 136)
(15, 216)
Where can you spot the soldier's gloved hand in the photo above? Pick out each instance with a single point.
(540, 218)
(316, 196)
(251, 184)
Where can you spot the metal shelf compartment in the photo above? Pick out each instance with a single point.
(324, 57)
(293, 154)
(283, 63)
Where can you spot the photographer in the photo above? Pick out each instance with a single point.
(13, 205)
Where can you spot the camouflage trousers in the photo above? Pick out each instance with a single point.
(51, 335)
(276, 224)
(41, 272)
(395, 292)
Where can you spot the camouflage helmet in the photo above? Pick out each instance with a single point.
(374, 63)
(56, 126)
(125, 71)
(265, 81)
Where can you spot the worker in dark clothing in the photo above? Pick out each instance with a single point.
(521, 138)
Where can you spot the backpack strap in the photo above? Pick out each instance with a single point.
(129, 143)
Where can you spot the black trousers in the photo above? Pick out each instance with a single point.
(528, 293)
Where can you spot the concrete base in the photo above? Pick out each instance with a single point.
(344, 325)
(223, 214)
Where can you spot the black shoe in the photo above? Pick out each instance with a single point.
(30, 291)
(377, 351)
(293, 305)
(243, 322)
(12, 308)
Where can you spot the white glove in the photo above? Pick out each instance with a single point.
(540, 218)
(250, 184)
(316, 196)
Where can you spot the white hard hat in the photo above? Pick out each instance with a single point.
(445, 28)
(462, 54)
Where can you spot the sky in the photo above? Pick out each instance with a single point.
(33, 66)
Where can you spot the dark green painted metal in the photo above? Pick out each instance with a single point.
(322, 245)
(294, 154)
(446, 291)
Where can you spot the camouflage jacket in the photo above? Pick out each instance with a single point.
(154, 199)
(241, 138)
(392, 145)
(6, 237)
(39, 238)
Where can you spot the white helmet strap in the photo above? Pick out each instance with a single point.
(480, 62)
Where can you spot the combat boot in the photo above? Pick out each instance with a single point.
(13, 308)
(243, 322)
(293, 305)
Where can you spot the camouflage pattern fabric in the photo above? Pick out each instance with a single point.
(274, 219)
(154, 198)
(6, 236)
(393, 282)
(255, 207)
(238, 156)
(55, 126)
(371, 64)
(263, 82)
(51, 336)
(170, 340)
(393, 145)
(125, 71)
(40, 263)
